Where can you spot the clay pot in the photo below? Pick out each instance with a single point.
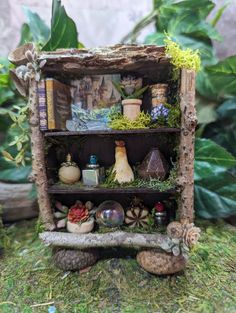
(81, 228)
(131, 108)
(154, 165)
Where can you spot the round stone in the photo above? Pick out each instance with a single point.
(160, 263)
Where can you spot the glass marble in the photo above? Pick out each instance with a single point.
(110, 213)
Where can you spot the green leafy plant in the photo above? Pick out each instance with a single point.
(185, 23)
(137, 92)
(62, 33)
(12, 108)
(16, 147)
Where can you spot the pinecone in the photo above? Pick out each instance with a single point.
(175, 230)
(191, 235)
(73, 260)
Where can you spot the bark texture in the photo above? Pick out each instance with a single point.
(15, 202)
(113, 59)
(113, 239)
(186, 149)
(38, 160)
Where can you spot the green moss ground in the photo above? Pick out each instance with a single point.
(29, 279)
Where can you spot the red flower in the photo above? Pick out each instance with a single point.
(78, 213)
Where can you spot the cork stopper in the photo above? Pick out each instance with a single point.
(120, 143)
(68, 158)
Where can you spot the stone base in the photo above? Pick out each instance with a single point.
(160, 263)
(74, 260)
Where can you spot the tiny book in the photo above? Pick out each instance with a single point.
(42, 104)
(58, 104)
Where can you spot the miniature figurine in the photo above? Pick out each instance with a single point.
(123, 171)
(69, 172)
(93, 174)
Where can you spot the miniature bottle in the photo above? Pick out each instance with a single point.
(93, 174)
(69, 172)
(160, 214)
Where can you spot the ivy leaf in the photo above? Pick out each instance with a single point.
(210, 158)
(223, 130)
(63, 29)
(18, 175)
(215, 197)
(218, 80)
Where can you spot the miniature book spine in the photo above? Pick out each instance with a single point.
(50, 106)
(42, 106)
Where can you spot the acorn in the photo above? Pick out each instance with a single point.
(69, 172)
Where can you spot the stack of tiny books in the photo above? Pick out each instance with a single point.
(54, 104)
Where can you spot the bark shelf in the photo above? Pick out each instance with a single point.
(58, 189)
(177, 144)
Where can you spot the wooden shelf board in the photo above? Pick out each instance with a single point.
(59, 189)
(112, 132)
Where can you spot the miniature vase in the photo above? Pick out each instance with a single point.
(69, 173)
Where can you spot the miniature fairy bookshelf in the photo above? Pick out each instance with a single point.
(154, 66)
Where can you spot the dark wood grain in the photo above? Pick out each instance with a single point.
(59, 189)
(111, 132)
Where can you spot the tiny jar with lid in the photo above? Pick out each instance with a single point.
(93, 174)
(159, 94)
(160, 215)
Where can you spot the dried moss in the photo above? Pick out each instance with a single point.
(152, 183)
(120, 122)
(182, 59)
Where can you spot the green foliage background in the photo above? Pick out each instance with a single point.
(185, 22)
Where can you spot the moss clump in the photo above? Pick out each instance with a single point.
(152, 183)
(187, 58)
(120, 122)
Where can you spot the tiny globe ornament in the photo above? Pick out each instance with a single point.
(159, 111)
(110, 213)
